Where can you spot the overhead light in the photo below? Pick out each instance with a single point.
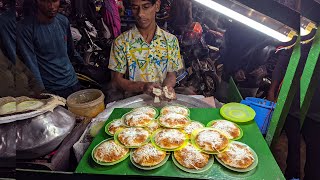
(246, 20)
(304, 32)
(306, 26)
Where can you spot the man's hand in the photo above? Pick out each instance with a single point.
(148, 88)
(259, 73)
(240, 76)
(272, 91)
(169, 93)
(271, 96)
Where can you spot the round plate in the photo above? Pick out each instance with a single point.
(175, 105)
(163, 149)
(106, 128)
(205, 168)
(237, 112)
(152, 167)
(195, 133)
(241, 131)
(254, 165)
(123, 117)
(177, 127)
(107, 164)
(117, 141)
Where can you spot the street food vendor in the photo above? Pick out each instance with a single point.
(145, 57)
(45, 45)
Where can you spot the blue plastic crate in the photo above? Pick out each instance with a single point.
(264, 110)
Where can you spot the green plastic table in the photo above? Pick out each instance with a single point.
(267, 167)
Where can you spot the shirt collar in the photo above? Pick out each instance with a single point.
(136, 33)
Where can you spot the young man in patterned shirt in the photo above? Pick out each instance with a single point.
(146, 56)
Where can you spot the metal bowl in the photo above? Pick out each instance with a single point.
(40, 135)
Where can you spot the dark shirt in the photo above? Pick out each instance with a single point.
(242, 42)
(8, 34)
(281, 65)
(46, 49)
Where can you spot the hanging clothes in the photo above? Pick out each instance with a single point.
(111, 17)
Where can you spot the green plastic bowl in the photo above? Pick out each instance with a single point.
(237, 112)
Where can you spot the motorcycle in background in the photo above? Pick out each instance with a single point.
(91, 44)
(200, 51)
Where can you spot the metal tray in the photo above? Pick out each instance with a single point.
(145, 100)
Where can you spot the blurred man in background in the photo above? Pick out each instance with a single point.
(46, 46)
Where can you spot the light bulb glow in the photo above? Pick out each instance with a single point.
(245, 20)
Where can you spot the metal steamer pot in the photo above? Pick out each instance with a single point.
(32, 134)
(40, 135)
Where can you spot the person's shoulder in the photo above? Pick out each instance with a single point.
(125, 36)
(62, 17)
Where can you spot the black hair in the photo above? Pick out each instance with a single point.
(153, 1)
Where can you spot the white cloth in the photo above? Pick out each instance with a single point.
(75, 34)
(81, 146)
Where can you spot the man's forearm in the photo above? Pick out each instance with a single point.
(170, 80)
(129, 86)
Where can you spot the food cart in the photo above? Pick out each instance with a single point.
(266, 167)
(199, 111)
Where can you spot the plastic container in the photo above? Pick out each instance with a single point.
(88, 102)
(264, 110)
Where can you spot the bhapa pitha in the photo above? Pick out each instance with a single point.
(173, 120)
(191, 158)
(211, 140)
(169, 138)
(137, 118)
(153, 126)
(228, 128)
(146, 110)
(237, 156)
(115, 126)
(109, 151)
(147, 155)
(133, 136)
(175, 109)
(192, 126)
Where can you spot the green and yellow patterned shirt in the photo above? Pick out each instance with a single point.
(142, 61)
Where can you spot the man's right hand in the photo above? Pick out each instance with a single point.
(240, 75)
(148, 88)
(271, 97)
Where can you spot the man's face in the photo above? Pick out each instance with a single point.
(144, 12)
(49, 8)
